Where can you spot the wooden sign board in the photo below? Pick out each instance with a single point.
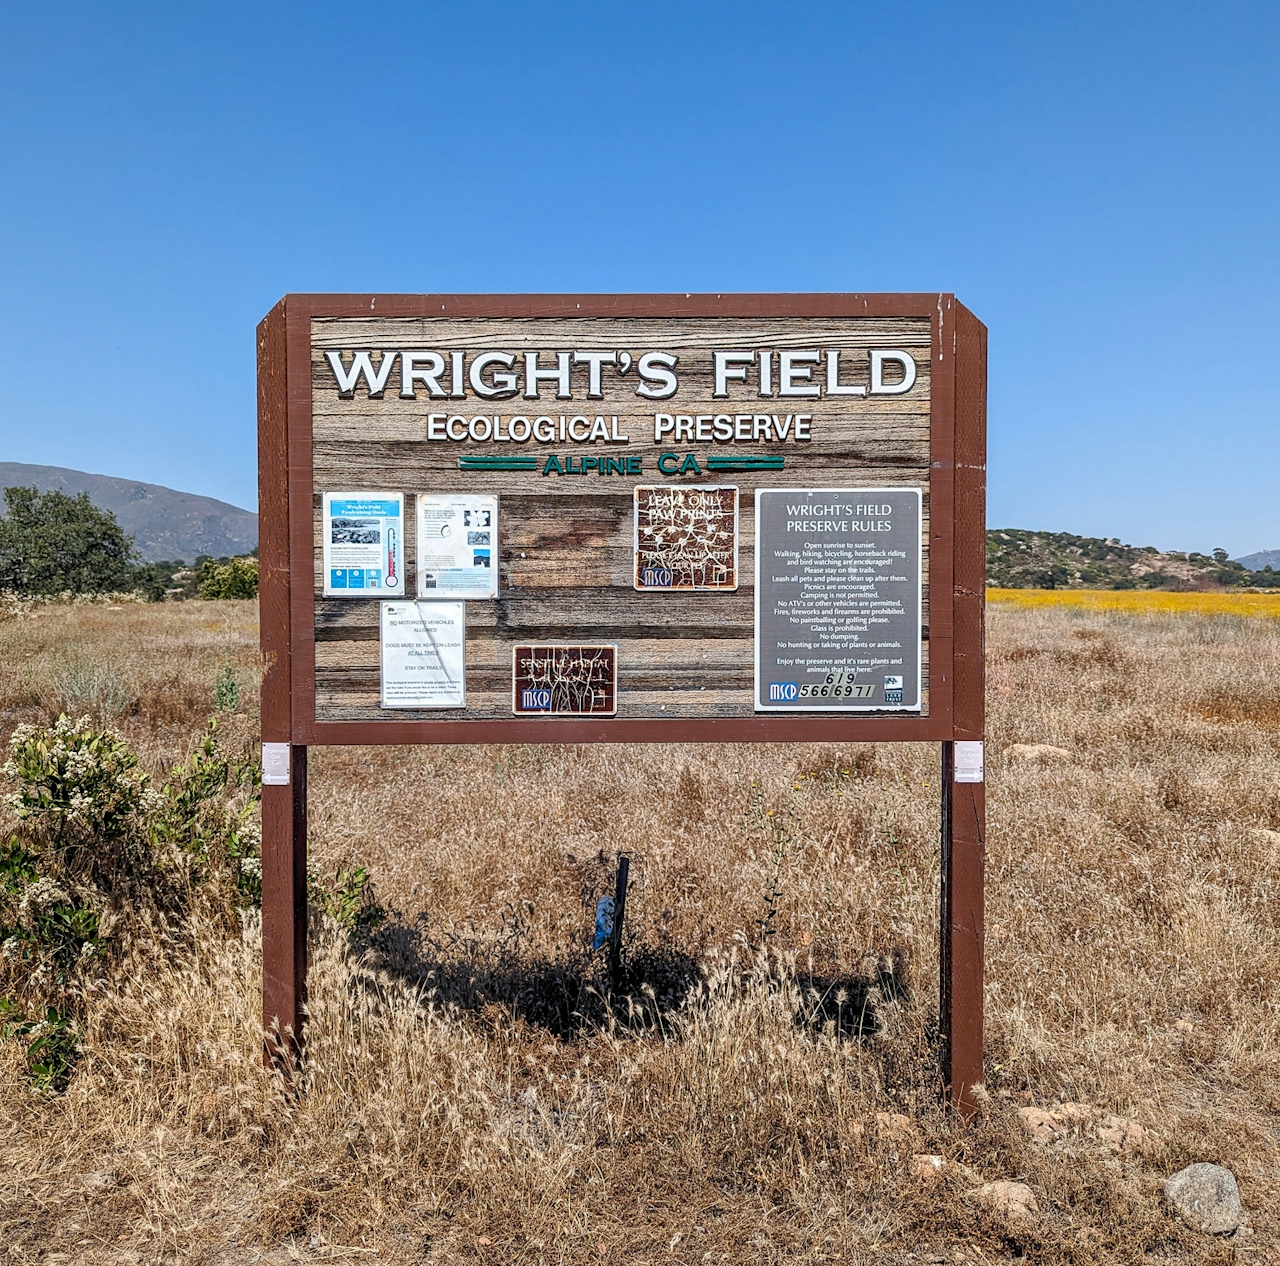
(565, 411)
(644, 518)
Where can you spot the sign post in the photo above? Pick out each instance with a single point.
(623, 518)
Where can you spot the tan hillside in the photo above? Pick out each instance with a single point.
(1018, 559)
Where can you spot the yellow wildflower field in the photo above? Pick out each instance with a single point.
(1141, 601)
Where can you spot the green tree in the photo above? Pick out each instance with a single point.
(51, 543)
(234, 578)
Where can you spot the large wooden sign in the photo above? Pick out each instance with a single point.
(620, 518)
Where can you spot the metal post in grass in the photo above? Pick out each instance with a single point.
(619, 912)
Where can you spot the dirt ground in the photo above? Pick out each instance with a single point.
(762, 1087)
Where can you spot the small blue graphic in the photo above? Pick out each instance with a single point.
(604, 923)
(355, 577)
(337, 577)
(480, 558)
(657, 577)
(783, 691)
(535, 701)
(373, 577)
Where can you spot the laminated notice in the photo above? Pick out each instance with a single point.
(275, 764)
(457, 545)
(363, 544)
(968, 761)
(424, 648)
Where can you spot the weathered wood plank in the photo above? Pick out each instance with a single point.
(495, 705)
(674, 616)
(897, 451)
(678, 677)
(548, 542)
(674, 661)
(398, 418)
(633, 333)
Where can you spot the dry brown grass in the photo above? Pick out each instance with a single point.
(471, 1096)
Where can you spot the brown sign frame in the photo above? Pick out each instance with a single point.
(957, 562)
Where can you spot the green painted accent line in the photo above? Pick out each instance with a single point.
(746, 463)
(497, 463)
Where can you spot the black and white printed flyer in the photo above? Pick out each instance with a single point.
(424, 654)
(457, 545)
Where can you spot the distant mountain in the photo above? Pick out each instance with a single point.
(1263, 558)
(164, 524)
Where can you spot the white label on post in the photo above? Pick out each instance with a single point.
(968, 764)
(275, 764)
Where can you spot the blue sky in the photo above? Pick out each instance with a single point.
(1097, 182)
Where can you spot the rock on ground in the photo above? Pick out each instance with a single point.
(897, 1129)
(1037, 753)
(1207, 1198)
(1043, 1126)
(1047, 1125)
(1121, 1133)
(925, 1165)
(1013, 1199)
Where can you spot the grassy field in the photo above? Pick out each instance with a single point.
(473, 1096)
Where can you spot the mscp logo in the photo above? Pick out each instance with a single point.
(783, 691)
(535, 701)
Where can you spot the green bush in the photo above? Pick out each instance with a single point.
(79, 785)
(49, 1044)
(101, 856)
(45, 931)
(207, 820)
(226, 690)
(236, 578)
(349, 901)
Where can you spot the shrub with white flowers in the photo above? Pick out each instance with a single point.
(206, 817)
(97, 847)
(78, 781)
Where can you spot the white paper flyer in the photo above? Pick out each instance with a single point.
(424, 655)
(363, 544)
(457, 546)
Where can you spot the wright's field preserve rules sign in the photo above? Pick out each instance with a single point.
(838, 584)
